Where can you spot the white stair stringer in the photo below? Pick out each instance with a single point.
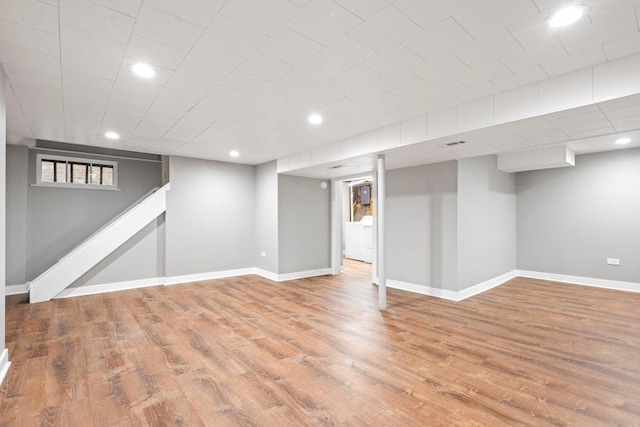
(93, 250)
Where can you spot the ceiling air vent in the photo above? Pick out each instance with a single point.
(451, 144)
(336, 167)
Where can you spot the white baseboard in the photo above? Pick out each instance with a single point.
(4, 364)
(450, 295)
(16, 289)
(582, 281)
(208, 276)
(304, 274)
(267, 274)
(110, 287)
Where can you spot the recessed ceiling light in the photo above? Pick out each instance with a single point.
(623, 141)
(112, 135)
(315, 119)
(143, 70)
(234, 153)
(566, 16)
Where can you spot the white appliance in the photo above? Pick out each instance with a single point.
(358, 239)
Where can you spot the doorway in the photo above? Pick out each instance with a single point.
(353, 230)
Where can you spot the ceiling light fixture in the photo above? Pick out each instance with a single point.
(234, 153)
(623, 141)
(315, 119)
(143, 70)
(112, 135)
(566, 16)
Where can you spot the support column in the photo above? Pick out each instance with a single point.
(382, 274)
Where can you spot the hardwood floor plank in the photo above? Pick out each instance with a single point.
(248, 351)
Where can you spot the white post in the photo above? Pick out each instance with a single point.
(382, 271)
(336, 227)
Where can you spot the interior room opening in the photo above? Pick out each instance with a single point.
(358, 237)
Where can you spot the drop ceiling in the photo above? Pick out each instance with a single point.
(245, 74)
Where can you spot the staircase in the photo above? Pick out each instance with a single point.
(93, 250)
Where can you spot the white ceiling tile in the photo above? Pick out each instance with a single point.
(96, 19)
(244, 82)
(429, 13)
(175, 101)
(85, 82)
(441, 38)
(164, 28)
(534, 55)
(386, 29)
(29, 59)
(29, 38)
(289, 86)
(365, 9)
(197, 76)
(291, 47)
(31, 13)
(265, 67)
(151, 130)
(359, 78)
(488, 16)
(496, 45)
(345, 53)
(575, 62)
(154, 53)
(223, 29)
(228, 95)
(262, 16)
(622, 47)
(88, 65)
(332, 91)
(213, 59)
(269, 99)
(586, 34)
(395, 61)
(370, 95)
(167, 113)
(324, 21)
(199, 12)
(184, 90)
(90, 44)
(315, 72)
(128, 7)
(477, 91)
(521, 78)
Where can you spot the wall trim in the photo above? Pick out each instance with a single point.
(304, 274)
(16, 289)
(582, 281)
(174, 280)
(109, 287)
(199, 277)
(4, 364)
(451, 295)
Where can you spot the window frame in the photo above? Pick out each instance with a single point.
(69, 160)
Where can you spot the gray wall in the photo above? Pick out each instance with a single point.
(58, 219)
(3, 139)
(571, 220)
(304, 224)
(210, 217)
(266, 217)
(17, 183)
(421, 225)
(486, 221)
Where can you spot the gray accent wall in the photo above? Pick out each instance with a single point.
(571, 220)
(421, 225)
(17, 184)
(210, 217)
(266, 217)
(486, 221)
(304, 224)
(55, 220)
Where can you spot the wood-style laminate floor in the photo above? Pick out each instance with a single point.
(247, 351)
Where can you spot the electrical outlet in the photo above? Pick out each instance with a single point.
(613, 261)
(263, 254)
